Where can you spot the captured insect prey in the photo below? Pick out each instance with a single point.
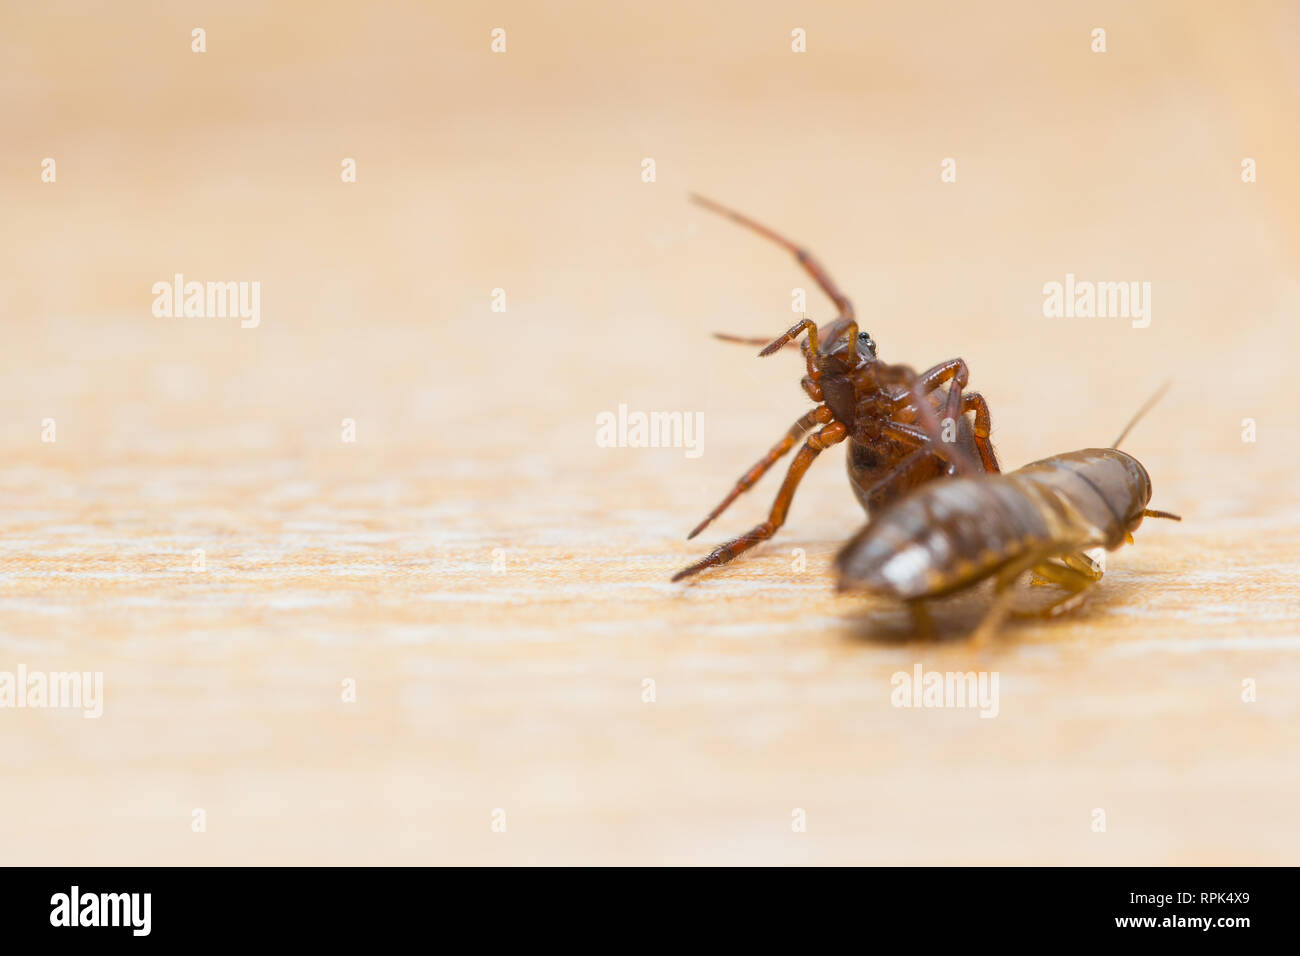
(1042, 518)
(903, 428)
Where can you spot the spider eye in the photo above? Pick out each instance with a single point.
(865, 339)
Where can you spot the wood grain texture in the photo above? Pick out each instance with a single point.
(520, 687)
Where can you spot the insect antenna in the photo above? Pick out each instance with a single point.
(1146, 407)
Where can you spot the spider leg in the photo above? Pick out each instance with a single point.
(810, 351)
(832, 434)
(917, 392)
(957, 374)
(747, 339)
(805, 259)
(974, 402)
(907, 432)
(981, 433)
(818, 416)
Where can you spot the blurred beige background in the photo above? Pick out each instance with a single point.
(521, 171)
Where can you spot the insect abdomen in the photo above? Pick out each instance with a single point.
(948, 535)
(953, 533)
(1105, 486)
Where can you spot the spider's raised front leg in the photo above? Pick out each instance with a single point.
(804, 257)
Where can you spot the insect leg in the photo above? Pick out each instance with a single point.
(805, 258)
(818, 416)
(1074, 580)
(1091, 564)
(1093, 568)
(1003, 594)
(998, 610)
(832, 434)
(921, 619)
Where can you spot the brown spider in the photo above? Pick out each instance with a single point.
(888, 413)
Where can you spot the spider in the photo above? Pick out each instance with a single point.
(903, 428)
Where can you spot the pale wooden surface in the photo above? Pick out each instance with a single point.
(522, 690)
